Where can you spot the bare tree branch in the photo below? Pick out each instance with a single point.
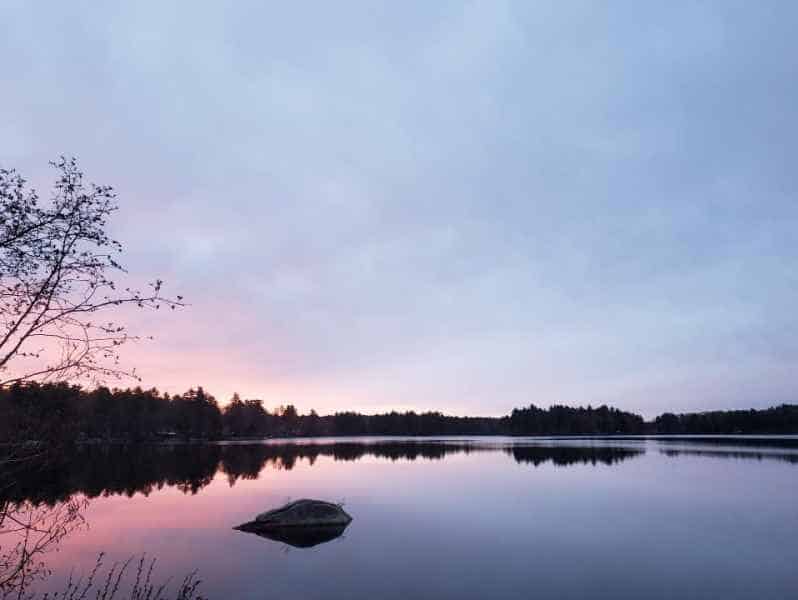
(56, 281)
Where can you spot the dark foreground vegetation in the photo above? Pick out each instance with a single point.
(49, 412)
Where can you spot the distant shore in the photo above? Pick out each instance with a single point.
(64, 413)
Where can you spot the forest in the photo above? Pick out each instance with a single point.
(60, 411)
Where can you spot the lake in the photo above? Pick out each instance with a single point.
(446, 518)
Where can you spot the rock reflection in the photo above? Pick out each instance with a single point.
(298, 537)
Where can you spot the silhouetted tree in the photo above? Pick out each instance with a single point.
(776, 420)
(57, 264)
(311, 424)
(58, 296)
(565, 420)
(196, 415)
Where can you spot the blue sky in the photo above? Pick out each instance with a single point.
(464, 206)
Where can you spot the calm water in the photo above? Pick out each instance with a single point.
(477, 518)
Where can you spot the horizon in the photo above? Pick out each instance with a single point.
(454, 208)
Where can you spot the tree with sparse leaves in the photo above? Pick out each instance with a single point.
(58, 295)
(57, 282)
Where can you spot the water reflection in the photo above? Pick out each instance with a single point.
(786, 442)
(105, 470)
(569, 455)
(736, 454)
(298, 537)
(465, 512)
(28, 533)
(95, 471)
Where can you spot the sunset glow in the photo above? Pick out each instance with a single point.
(467, 208)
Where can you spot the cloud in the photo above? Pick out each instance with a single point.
(468, 206)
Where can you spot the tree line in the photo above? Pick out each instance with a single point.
(565, 420)
(776, 420)
(60, 411)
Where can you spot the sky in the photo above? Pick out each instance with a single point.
(460, 206)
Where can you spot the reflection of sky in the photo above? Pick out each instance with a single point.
(465, 207)
(654, 527)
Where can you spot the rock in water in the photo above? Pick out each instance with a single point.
(302, 523)
(304, 513)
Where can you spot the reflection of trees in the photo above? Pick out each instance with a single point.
(38, 506)
(101, 470)
(27, 533)
(738, 454)
(570, 455)
(29, 529)
(787, 442)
